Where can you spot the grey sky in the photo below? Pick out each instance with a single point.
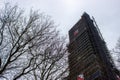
(67, 12)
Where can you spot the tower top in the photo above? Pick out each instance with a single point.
(85, 14)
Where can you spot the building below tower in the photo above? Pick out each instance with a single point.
(89, 55)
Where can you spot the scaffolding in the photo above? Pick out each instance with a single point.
(88, 52)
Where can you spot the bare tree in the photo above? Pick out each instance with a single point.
(52, 63)
(30, 47)
(116, 54)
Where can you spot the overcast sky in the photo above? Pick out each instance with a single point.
(67, 12)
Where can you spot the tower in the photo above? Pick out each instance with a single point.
(89, 55)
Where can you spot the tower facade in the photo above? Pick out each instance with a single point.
(89, 55)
